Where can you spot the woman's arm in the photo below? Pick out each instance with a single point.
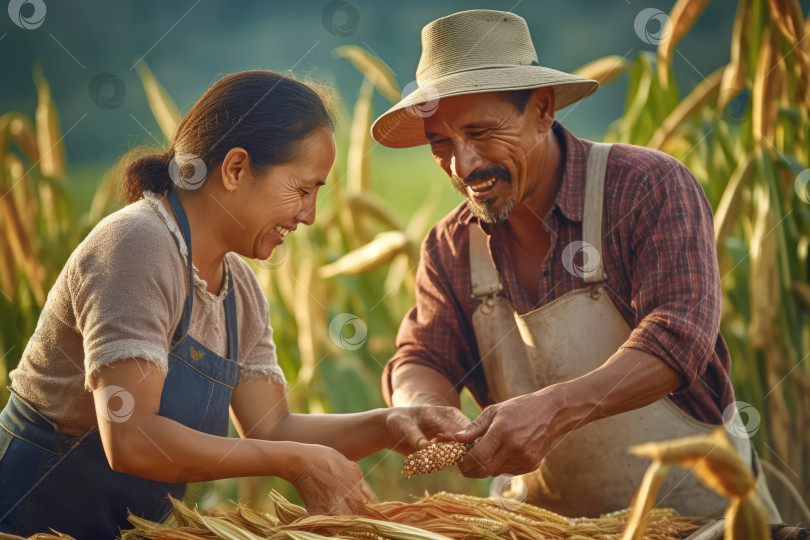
(260, 411)
(151, 446)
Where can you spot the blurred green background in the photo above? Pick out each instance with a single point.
(745, 137)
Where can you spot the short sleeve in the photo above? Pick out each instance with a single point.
(126, 290)
(257, 352)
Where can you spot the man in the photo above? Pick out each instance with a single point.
(575, 293)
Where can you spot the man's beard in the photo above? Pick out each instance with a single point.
(483, 210)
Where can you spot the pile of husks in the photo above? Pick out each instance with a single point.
(440, 516)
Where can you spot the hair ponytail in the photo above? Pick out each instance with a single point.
(147, 172)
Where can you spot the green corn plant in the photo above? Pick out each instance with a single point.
(744, 133)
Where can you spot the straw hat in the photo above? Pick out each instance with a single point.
(470, 52)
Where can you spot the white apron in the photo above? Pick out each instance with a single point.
(588, 471)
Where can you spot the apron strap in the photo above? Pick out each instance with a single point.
(174, 201)
(592, 214)
(483, 274)
(230, 321)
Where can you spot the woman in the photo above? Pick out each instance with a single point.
(122, 395)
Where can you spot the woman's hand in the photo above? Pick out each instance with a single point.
(330, 484)
(411, 428)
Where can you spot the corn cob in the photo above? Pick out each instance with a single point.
(434, 457)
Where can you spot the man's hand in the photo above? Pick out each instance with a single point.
(410, 428)
(515, 435)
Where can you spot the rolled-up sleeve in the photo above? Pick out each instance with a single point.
(437, 332)
(675, 279)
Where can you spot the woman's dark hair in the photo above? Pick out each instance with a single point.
(263, 112)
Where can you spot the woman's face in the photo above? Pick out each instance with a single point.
(273, 203)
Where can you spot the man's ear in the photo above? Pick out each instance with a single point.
(542, 104)
(235, 167)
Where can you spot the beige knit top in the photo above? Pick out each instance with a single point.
(120, 295)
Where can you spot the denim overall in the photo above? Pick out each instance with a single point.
(51, 480)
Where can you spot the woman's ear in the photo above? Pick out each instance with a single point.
(543, 104)
(235, 167)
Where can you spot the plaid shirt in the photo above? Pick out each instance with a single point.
(659, 255)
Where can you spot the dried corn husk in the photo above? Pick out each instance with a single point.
(376, 253)
(19, 236)
(21, 131)
(653, 480)
(605, 70)
(8, 270)
(357, 166)
(683, 15)
(373, 68)
(24, 196)
(368, 204)
(51, 149)
(716, 463)
(162, 105)
(729, 207)
(787, 14)
(766, 89)
(440, 516)
(734, 74)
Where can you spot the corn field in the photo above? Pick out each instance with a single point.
(339, 288)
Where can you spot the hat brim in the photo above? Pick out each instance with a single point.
(402, 126)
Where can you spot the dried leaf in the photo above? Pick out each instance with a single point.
(683, 15)
(161, 104)
(376, 253)
(51, 148)
(644, 500)
(604, 70)
(357, 162)
(734, 75)
(374, 69)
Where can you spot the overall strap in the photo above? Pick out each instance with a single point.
(174, 201)
(483, 274)
(592, 214)
(231, 322)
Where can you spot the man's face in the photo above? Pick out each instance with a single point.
(488, 148)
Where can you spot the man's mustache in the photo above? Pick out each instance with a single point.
(499, 173)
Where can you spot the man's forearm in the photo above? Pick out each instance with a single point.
(414, 384)
(630, 379)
